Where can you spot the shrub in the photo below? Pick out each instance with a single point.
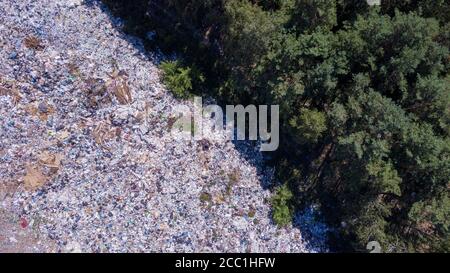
(282, 211)
(180, 79)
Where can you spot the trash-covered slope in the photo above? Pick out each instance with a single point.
(86, 159)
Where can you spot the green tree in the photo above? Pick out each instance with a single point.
(309, 126)
(311, 15)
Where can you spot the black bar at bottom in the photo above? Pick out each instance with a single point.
(214, 262)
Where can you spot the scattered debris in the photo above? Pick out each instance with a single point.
(23, 223)
(74, 70)
(34, 178)
(96, 93)
(50, 160)
(205, 197)
(103, 133)
(41, 110)
(63, 135)
(33, 42)
(10, 91)
(118, 85)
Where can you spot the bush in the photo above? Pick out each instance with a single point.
(180, 79)
(282, 211)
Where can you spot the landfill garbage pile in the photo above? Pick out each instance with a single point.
(87, 163)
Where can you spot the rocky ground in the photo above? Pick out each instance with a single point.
(87, 163)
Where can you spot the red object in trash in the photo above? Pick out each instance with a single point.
(23, 222)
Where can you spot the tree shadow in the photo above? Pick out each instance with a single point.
(130, 21)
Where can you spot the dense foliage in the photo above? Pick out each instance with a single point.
(180, 79)
(364, 95)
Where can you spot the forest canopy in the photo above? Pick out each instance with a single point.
(364, 95)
